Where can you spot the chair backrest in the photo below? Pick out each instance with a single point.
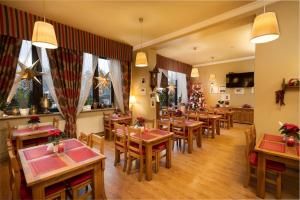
(85, 138)
(135, 144)
(178, 125)
(97, 141)
(107, 120)
(55, 122)
(15, 175)
(149, 123)
(250, 142)
(164, 125)
(253, 133)
(120, 135)
(193, 116)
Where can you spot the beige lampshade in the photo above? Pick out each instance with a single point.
(44, 35)
(265, 28)
(141, 59)
(194, 73)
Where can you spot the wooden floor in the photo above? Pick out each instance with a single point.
(217, 170)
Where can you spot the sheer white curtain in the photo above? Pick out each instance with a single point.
(47, 77)
(25, 57)
(172, 77)
(116, 79)
(88, 70)
(182, 87)
(159, 75)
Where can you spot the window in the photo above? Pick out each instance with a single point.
(105, 94)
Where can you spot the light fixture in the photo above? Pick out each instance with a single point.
(265, 28)
(195, 72)
(43, 34)
(212, 79)
(141, 57)
(132, 100)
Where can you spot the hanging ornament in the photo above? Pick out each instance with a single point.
(103, 81)
(28, 73)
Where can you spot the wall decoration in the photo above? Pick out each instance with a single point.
(239, 91)
(152, 102)
(143, 91)
(222, 89)
(214, 89)
(197, 100)
(28, 73)
(103, 80)
(225, 97)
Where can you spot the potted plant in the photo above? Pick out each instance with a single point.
(34, 121)
(290, 131)
(23, 100)
(88, 104)
(221, 103)
(2, 105)
(139, 122)
(55, 138)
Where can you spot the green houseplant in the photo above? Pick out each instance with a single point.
(22, 97)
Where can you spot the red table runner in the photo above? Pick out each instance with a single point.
(36, 152)
(275, 138)
(272, 146)
(81, 154)
(29, 130)
(47, 164)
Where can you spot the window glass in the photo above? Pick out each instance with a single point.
(105, 96)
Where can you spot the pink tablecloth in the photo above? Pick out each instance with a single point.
(275, 138)
(272, 146)
(189, 122)
(29, 130)
(158, 131)
(71, 144)
(81, 154)
(36, 152)
(45, 165)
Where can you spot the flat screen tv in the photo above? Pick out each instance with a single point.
(235, 80)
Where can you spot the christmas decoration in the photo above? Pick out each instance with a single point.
(103, 80)
(197, 100)
(28, 73)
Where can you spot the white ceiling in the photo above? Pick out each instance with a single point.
(118, 20)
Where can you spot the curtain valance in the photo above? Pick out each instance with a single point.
(19, 24)
(173, 65)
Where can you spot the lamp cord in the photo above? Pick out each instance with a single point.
(141, 21)
(44, 10)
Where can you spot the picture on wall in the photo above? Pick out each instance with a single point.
(222, 89)
(214, 89)
(239, 91)
(225, 97)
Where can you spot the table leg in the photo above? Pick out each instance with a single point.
(38, 191)
(218, 126)
(261, 175)
(190, 140)
(213, 128)
(99, 191)
(169, 153)
(19, 143)
(199, 137)
(148, 162)
(231, 120)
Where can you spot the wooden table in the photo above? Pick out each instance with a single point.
(20, 135)
(122, 120)
(193, 126)
(156, 137)
(39, 175)
(215, 120)
(289, 155)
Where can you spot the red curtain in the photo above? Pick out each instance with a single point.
(126, 77)
(9, 54)
(66, 69)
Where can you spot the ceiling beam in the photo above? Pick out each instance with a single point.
(208, 22)
(225, 61)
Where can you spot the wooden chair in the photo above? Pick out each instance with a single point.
(163, 125)
(178, 128)
(20, 190)
(85, 138)
(224, 120)
(272, 167)
(207, 125)
(108, 126)
(120, 144)
(55, 122)
(193, 116)
(97, 142)
(78, 186)
(136, 151)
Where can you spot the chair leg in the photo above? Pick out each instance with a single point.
(141, 169)
(129, 164)
(116, 157)
(157, 161)
(183, 149)
(125, 162)
(278, 186)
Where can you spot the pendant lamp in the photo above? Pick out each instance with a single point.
(265, 28)
(195, 72)
(43, 34)
(141, 57)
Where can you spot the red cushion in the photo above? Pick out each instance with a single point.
(271, 165)
(80, 178)
(135, 145)
(31, 142)
(43, 140)
(160, 147)
(54, 188)
(26, 194)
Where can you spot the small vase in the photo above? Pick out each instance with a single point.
(35, 126)
(290, 141)
(61, 147)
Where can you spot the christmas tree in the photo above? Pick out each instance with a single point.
(197, 100)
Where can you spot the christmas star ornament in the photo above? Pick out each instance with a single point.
(103, 80)
(28, 73)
